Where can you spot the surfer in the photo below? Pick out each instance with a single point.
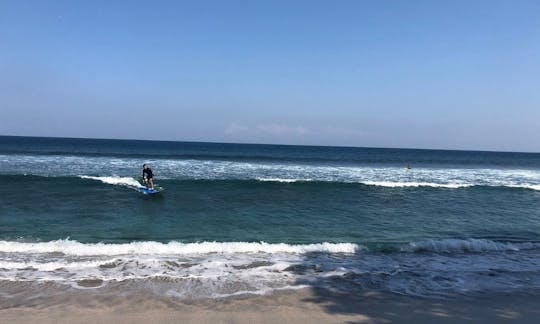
(148, 176)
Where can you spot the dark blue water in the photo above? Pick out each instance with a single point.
(74, 202)
(254, 152)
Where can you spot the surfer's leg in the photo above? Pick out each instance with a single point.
(151, 180)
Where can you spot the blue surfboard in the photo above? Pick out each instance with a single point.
(148, 191)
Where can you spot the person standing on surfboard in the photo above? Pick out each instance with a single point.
(148, 176)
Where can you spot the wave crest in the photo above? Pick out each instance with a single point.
(467, 245)
(112, 180)
(283, 180)
(69, 247)
(416, 184)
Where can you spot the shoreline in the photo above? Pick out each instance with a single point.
(308, 305)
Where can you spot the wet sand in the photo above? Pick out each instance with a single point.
(304, 306)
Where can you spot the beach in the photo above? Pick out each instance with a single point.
(304, 306)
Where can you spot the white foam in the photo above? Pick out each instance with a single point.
(263, 291)
(182, 271)
(198, 270)
(281, 180)
(415, 184)
(51, 266)
(389, 176)
(69, 247)
(122, 181)
(526, 186)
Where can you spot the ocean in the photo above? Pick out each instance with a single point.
(241, 219)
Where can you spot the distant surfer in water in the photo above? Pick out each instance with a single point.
(148, 176)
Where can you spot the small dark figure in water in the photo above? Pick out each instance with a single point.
(408, 167)
(148, 176)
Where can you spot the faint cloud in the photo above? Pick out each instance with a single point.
(234, 128)
(344, 132)
(278, 132)
(266, 129)
(280, 129)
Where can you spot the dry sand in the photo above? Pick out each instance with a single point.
(305, 306)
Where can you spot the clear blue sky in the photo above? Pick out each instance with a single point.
(426, 74)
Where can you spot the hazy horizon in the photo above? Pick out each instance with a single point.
(276, 144)
(421, 74)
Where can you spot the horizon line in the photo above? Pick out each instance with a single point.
(273, 144)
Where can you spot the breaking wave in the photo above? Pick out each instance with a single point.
(69, 247)
(120, 171)
(467, 246)
(216, 270)
(415, 184)
(112, 180)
